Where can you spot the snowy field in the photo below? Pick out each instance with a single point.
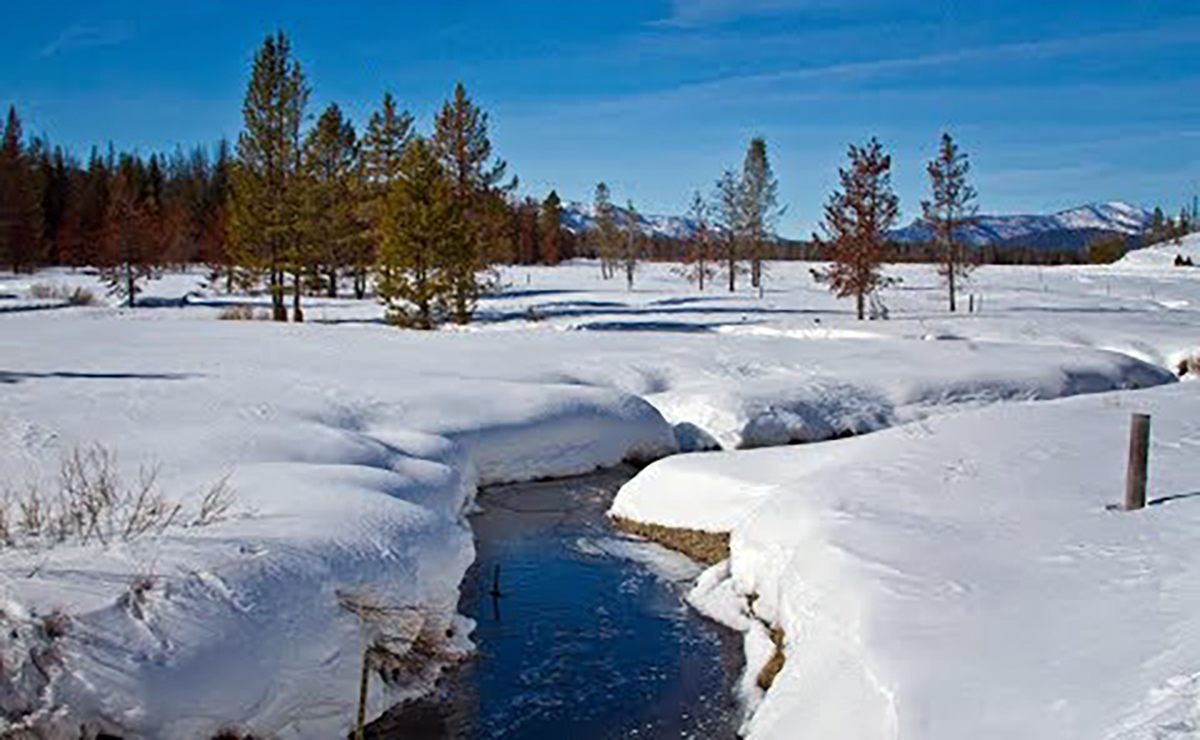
(955, 574)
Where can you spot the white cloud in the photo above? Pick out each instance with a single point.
(81, 36)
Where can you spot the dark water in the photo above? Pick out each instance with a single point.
(582, 644)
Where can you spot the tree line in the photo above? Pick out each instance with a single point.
(302, 207)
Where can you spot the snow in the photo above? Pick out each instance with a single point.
(964, 577)
(356, 449)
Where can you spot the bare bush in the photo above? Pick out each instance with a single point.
(72, 296)
(92, 504)
(240, 312)
(215, 504)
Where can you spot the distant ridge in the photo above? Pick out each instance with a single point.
(1074, 228)
(581, 217)
(1071, 229)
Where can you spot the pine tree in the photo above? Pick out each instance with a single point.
(856, 219)
(760, 204)
(265, 213)
(607, 233)
(462, 145)
(631, 244)
(731, 215)
(422, 224)
(20, 201)
(551, 228)
(1159, 230)
(952, 208)
(129, 249)
(697, 261)
(387, 136)
(527, 232)
(330, 168)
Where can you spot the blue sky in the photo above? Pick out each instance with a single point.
(1059, 102)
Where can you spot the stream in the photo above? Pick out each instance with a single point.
(590, 638)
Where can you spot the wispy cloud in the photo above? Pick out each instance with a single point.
(84, 36)
(704, 12)
(794, 80)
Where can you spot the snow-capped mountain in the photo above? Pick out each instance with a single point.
(580, 217)
(1075, 228)
(1068, 228)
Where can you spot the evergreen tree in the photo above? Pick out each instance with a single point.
(265, 197)
(731, 215)
(856, 220)
(213, 218)
(422, 226)
(20, 201)
(697, 260)
(632, 243)
(129, 252)
(527, 232)
(952, 208)
(1159, 230)
(330, 169)
(551, 228)
(607, 233)
(387, 136)
(462, 145)
(760, 204)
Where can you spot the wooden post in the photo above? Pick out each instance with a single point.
(1139, 458)
(971, 308)
(361, 725)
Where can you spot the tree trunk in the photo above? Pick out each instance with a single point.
(278, 308)
(360, 283)
(950, 267)
(861, 300)
(333, 285)
(297, 290)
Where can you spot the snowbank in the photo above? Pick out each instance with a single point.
(964, 577)
(355, 450)
(1162, 256)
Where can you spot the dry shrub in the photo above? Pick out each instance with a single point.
(44, 291)
(216, 503)
(92, 504)
(73, 296)
(405, 644)
(239, 312)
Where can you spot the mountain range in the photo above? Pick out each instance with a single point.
(1070, 229)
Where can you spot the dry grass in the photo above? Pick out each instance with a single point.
(1188, 366)
(91, 504)
(73, 296)
(242, 312)
(708, 548)
(766, 677)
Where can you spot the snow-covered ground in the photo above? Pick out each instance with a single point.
(905, 566)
